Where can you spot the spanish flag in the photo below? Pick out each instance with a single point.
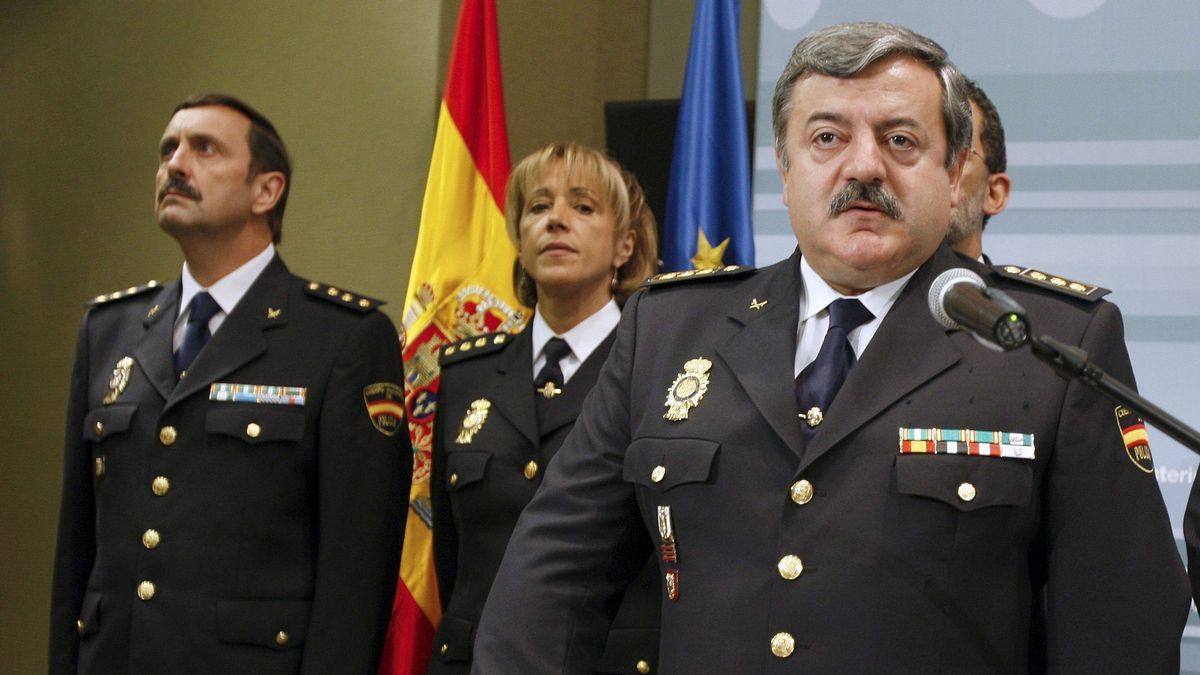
(460, 286)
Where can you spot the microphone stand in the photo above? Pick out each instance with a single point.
(1072, 363)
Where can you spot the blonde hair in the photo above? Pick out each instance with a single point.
(621, 193)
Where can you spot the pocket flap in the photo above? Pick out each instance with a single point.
(464, 467)
(663, 463)
(89, 614)
(255, 423)
(967, 483)
(101, 423)
(627, 647)
(454, 640)
(278, 624)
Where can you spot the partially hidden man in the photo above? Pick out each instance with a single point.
(832, 481)
(235, 468)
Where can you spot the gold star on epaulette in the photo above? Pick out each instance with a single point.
(123, 293)
(340, 296)
(726, 272)
(1054, 282)
(475, 346)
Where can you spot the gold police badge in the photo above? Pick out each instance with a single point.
(119, 379)
(688, 389)
(473, 421)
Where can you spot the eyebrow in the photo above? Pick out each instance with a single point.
(886, 125)
(193, 138)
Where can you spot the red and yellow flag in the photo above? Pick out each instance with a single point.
(460, 286)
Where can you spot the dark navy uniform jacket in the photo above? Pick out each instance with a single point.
(847, 555)
(199, 535)
(479, 488)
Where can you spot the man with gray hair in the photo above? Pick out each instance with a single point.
(903, 498)
(985, 186)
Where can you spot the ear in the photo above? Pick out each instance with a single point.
(624, 247)
(268, 188)
(956, 174)
(999, 186)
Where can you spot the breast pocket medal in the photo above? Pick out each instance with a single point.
(119, 379)
(688, 389)
(473, 421)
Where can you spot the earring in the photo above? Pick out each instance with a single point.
(615, 281)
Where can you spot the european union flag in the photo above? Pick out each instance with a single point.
(707, 222)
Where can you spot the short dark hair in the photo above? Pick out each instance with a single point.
(267, 152)
(991, 131)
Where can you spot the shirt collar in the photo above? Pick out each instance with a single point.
(229, 289)
(816, 294)
(584, 337)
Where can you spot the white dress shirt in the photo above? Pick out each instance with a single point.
(815, 298)
(227, 291)
(582, 339)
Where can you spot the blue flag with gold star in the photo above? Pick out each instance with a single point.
(707, 222)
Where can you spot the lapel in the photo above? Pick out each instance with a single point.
(240, 337)
(154, 351)
(565, 408)
(909, 349)
(511, 390)
(761, 354)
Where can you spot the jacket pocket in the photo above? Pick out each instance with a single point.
(255, 423)
(89, 614)
(277, 624)
(968, 483)
(454, 640)
(110, 420)
(628, 647)
(464, 467)
(664, 463)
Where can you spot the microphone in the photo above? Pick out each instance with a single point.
(958, 298)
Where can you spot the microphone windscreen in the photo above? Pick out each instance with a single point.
(943, 282)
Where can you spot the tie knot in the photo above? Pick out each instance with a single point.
(556, 348)
(203, 307)
(848, 314)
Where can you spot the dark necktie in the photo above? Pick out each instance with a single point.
(549, 380)
(196, 334)
(818, 383)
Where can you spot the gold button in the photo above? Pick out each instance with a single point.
(364, 303)
(150, 538)
(443, 649)
(253, 430)
(783, 644)
(643, 667)
(657, 474)
(98, 466)
(802, 492)
(146, 590)
(966, 492)
(79, 625)
(346, 297)
(313, 286)
(281, 638)
(167, 435)
(790, 567)
(160, 485)
(531, 470)
(453, 479)
(332, 291)
(99, 428)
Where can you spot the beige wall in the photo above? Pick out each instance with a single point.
(87, 88)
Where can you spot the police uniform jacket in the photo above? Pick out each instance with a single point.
(480, 485)
(847, 555)
(200, 535)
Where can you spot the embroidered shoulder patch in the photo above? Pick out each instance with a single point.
(385, 406)
(1135, 438)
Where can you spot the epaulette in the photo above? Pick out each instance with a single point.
(151, 285)
(725, 272)
(465, 349)
(340, 296)
(1053, 282)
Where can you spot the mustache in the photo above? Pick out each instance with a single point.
(178, 185)
(874, 193)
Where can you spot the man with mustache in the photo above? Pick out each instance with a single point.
(236, 465)
(985, 186)
(831, 480)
